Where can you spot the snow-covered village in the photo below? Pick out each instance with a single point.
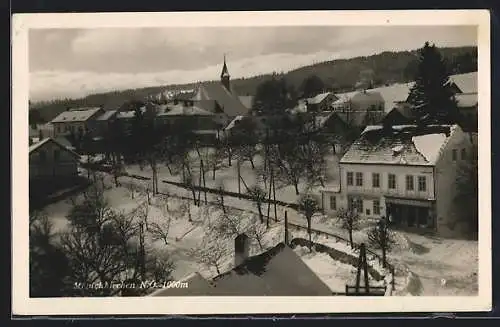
(347, 176)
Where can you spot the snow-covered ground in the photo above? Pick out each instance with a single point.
(431, 259)
(185, 235)
(438, 266)
(227, 176)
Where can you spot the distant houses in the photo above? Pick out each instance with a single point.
(320, 102)
(403, 172)
(214, 109)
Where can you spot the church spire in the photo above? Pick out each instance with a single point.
(224, 76)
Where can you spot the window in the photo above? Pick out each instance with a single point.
(391, 181)
(454, 155)
(349, 178)
(376, 180)
(409, 182)
(376, 207)
(422, 184)
(359, 204)
(355, 204)
(359, 179)
(463, 154)
(368, 212)
(333, 202)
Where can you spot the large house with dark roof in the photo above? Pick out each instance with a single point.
(406, 173)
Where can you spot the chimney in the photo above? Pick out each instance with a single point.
(241, 249)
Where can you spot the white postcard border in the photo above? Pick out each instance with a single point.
(23, 305)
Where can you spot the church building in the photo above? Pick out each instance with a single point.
(221, 98)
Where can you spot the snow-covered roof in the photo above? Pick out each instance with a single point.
(398, 92)
(247, 100)
(34, 147)
(233, 122)
(76, 115)
(402, 145)
(467, 83)
(228, 100)
(106, 115)
(181, 110)
(129, 113)
(318, 98)
(466, 100)
(391, 95)
(429, 145)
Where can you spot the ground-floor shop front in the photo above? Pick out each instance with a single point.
(410, 213)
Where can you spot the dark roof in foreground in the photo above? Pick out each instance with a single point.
(276, 272)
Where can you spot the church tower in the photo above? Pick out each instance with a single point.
(224, 76)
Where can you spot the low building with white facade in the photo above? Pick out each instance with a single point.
(406, 173)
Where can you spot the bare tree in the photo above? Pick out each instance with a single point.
(212, 251)
(204, 158)
(308, 206)
(258, 196)
(247, 152)
(132, 188)
(159, 230)
(216, 159)
(229, 224)
(381, 237)
(183, 208)
(257, 231)
(188, 180)
(315, 161)
(142, 212)
(349, 220)
(117, 170)
(289, 163)
(220, 199)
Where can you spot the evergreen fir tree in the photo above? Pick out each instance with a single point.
(431, 97)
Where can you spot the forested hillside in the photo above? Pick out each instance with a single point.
(337, 75)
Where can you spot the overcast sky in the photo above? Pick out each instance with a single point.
(75, 62)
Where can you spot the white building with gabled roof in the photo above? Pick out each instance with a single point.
(76, 120)
(406, 173)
